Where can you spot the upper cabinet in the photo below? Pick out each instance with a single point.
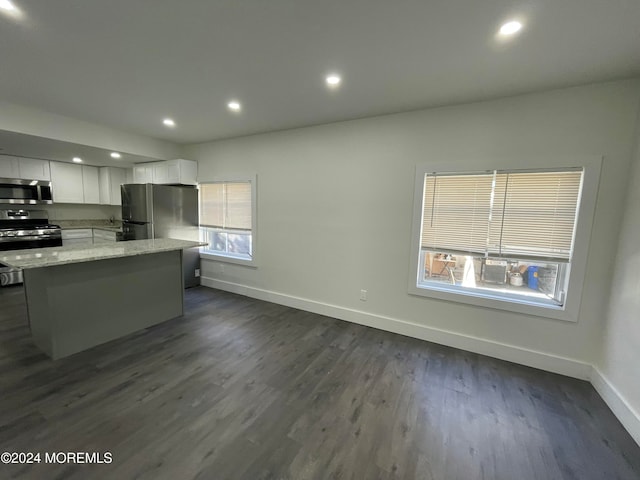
(90, 184)
(67, 183)
(182, 171)
(143, 173)
(24, 168)
(160, 172)
(34, 169)
(179, 172)
(111, 179)
(73, 183)
(9, 167)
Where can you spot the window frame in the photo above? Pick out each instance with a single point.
(591, 166)
(229, 258)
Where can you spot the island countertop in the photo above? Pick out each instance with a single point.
(52, 256)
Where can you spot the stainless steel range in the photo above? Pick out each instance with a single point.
(22, 229)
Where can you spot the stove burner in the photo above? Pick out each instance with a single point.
(25, 229)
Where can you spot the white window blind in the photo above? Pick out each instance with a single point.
(456, 212)
(538, 212)
(506, 214)
(226, 205)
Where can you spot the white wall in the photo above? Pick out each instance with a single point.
(335, 207)
(619, 365)
(17, 118)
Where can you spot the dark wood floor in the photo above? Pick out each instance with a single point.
(243, 389)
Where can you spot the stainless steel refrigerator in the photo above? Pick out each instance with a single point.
(163, 211)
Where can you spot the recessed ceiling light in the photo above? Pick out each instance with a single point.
(234, 106)
(7, 5)
(77, 160)
(168, 122)
(333, 80)
(510, 28)
(115, 155)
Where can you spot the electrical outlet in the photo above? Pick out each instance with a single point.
(363, 295)
(197, 272)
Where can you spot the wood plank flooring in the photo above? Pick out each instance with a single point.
(244, 389)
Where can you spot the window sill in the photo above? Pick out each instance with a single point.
(494, 301)
(228, 259)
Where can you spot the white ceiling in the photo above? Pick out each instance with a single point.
(31, 146)
(130, 63)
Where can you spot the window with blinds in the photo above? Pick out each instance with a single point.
(508, 214)
(226, 218)
(226, 205)
(456, 212)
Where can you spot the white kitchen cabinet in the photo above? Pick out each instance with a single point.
(178, 172)
(104, 236)
(160, 172)
(24, 168)
(104, 180)
(90, 184)
(129, 175)
(77, 236)
(143, 173)
(111, 178)
(67, 183)
(34, 169)
(9, 167)
(182, 171)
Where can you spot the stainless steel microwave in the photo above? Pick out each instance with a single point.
(25, 192)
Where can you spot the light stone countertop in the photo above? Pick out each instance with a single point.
(52, 256)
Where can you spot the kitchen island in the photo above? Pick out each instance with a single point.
(82, 296)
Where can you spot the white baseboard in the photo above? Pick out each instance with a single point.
(629, 418)
(544, 361)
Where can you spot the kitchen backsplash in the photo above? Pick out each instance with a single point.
(88, 223)
(81, 212)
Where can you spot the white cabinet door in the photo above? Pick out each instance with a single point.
(34, 169)
(103, 236)
(111, 179)
(182, 171)
(91, 184)
(77, 233)
(77, 237)
(189, 172)
(78, 242)
(173, 171)
(129, 174)
(143, 173)
(66, 183)
(9, 167)
(118, 177)
(178, 171)
(159, 172)
(105, 186)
